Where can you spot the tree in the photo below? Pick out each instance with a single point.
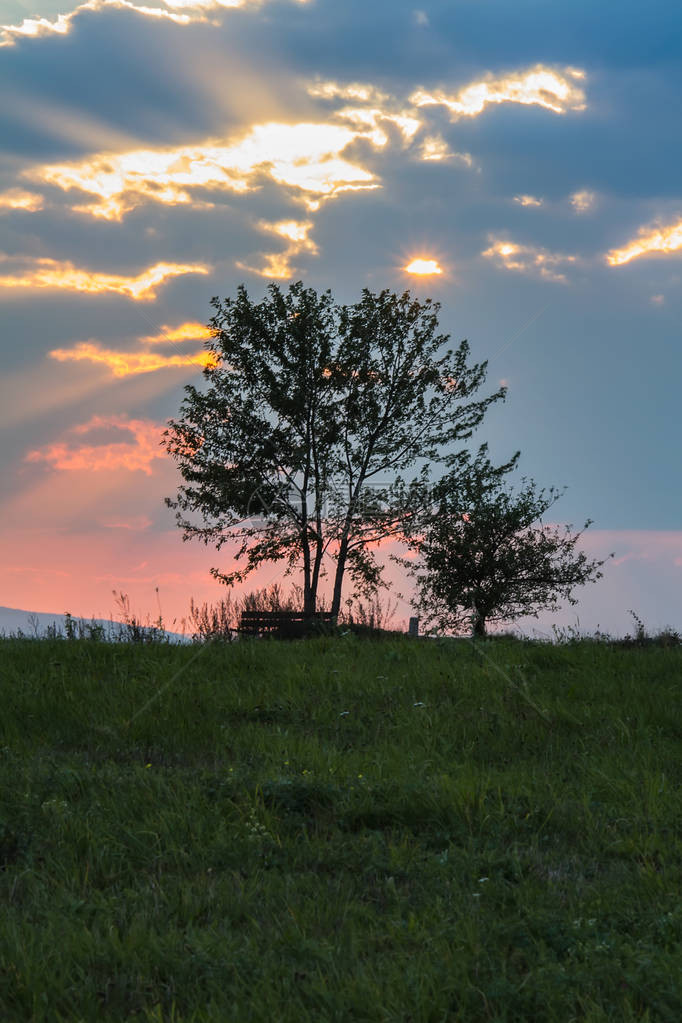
(311, 412)
(484, 554)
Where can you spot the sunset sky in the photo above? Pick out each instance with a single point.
(519, 162)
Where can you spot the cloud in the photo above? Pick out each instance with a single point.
(136, 453)
(361, 91)
(51, 273)
(19, 199)
(123, 364)
(435, 148)
(305, 157)
(308, 158)
(278, 265)
(527, 200)
(421, 18)
(64, 22)
(583, 201)
(650, 241)
(542, 86)
(62, 25)
(528, 259)
(183, 332)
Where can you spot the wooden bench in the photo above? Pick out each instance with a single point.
(284, 624)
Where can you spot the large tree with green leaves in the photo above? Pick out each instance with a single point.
(485, 555)
(311, 413)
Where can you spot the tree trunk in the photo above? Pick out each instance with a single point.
(338, 579)
(478, 626)
(308, 589)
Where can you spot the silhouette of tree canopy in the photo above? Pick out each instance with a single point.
(484, 554)
(311, 413)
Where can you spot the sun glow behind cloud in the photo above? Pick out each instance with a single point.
(50, 273)
(542, 86)
(649, 242)
(305, 157)
(309, 158)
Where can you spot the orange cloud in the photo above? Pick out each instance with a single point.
(650, 241)
(50, 273)
(527, 200)
(542, 86)
(134, 454)
(123, 364)
(528, 259)
(18, 199)
(190, 331)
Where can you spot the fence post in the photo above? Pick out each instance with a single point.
(414, 627)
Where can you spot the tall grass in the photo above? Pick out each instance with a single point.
(340, 830)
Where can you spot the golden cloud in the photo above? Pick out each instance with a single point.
(528, 259)
(123, 364)
(190, 331)
(305, 156)
(542, 86)
(18, 199)
(527, 200)
(279, 265)
(50, 273)
(135, 454)
(650, 241)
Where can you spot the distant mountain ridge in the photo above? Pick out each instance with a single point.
(37, 623)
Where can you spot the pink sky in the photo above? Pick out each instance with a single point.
(88, 518)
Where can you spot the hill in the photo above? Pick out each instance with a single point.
(340, 829)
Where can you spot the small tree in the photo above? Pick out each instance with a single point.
(312, 410)
(485, 556)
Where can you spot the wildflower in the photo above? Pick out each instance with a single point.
(344, 713)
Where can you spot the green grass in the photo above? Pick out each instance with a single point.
(338, 830)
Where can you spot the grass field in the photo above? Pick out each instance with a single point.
(340, 829)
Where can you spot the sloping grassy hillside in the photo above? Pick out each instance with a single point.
(338, 830)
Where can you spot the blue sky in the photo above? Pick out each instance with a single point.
(155, 154)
